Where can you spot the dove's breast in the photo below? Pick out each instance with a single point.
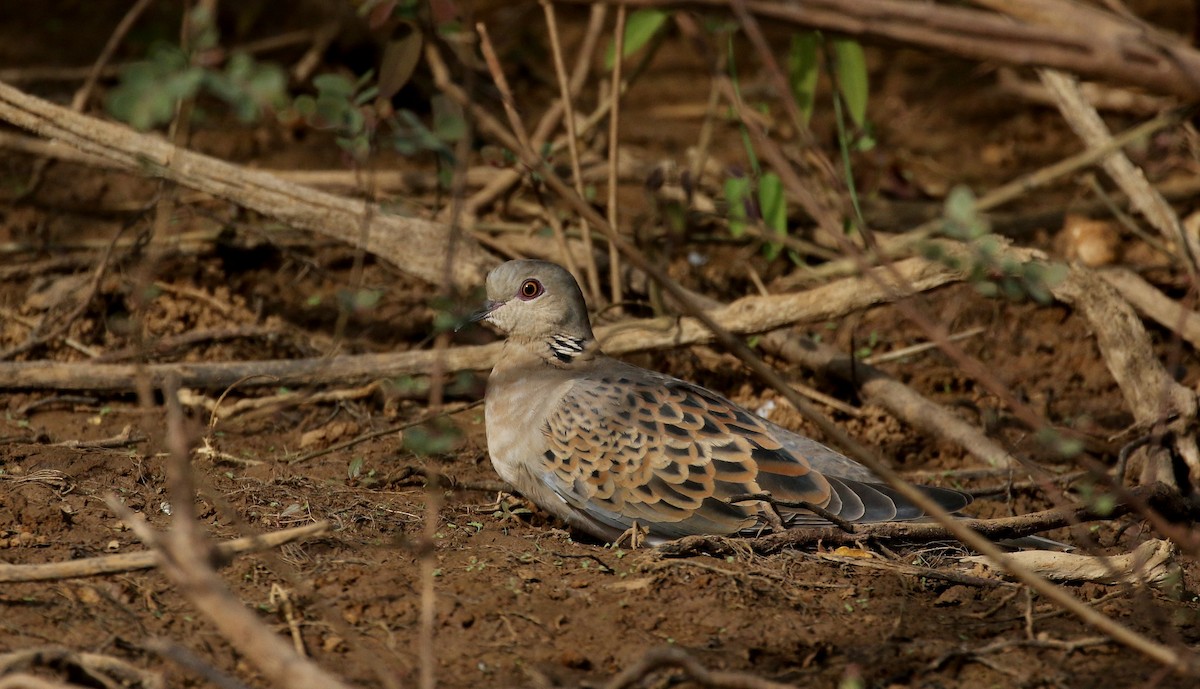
(517, 406)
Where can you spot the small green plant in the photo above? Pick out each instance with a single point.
(1102, 504)
(1063, 446)
(362, 118)
(438, 436)
(989, 269)
(640, 28)
(150, 90)
(757, 198)
(846, 64)
(869, 348)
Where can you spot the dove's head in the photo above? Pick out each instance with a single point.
(535, 300)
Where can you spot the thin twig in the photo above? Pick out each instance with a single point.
(1087, 123)
(1075, 37)
(591, 278)
(131, 562)
(445, 411)
(676, 658)
(425, 632)
(85, 300)
(614, 135)
(187, 562)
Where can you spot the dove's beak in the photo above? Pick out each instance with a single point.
(482, 314)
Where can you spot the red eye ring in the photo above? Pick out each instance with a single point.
(530, 289)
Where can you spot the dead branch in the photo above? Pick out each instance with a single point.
(1069, 36)
(1156, 306)
(185, 558)
(416, 246)
(1088, 125)
(122, 439)
(1159, 496)
(129, 562)
(676, 658)
(410, 181)
(1151, 393)
(748, 315)
(1152, 562)
(1098, 96)
(103, 670)
(21, 680)
(764, 313)
(902, 401)
(947, 575)
(273, 403)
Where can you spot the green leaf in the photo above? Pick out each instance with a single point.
(772, 202)
(400, 58)
(802, 70)
(449, 122)
(987, 289)
(737, 191)
(852, 78)
(332, 84)
(963, 220)
(640, 27)
(248, 86)
(150, 89)
(438, 437)
(1054, 273)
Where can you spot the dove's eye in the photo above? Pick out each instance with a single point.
(530, 289)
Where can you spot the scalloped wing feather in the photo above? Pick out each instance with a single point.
(668, 454)
(632, 445)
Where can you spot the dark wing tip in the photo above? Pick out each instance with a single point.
(879, 502)
(949, 499)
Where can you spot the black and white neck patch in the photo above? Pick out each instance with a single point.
(565, 348)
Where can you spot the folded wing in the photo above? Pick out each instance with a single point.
(632, 445)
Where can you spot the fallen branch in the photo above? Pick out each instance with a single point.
(1155, 305)
(1151, 393)
(1070, 36)
(1152, 563)
(1160, 497)
(676, 658)
(903, 402)
(396, 181)
(749, 315)
(185, 559)
(415, 246)
(148, 559)
(1088, 125)
(893, 566)
(103, 670)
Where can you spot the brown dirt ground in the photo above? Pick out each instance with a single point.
(519, 601)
